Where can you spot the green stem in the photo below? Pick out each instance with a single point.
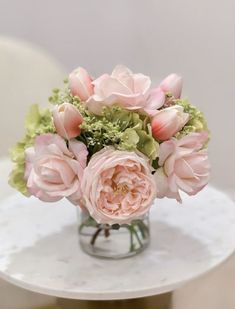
(106, 232)
(137, 236)
(96, 234)
(143, 228)
(81, 227)
(142, 231)
(132, 246)
(88, 222)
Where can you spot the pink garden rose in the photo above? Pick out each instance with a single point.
(117, 186)
(52, 170)
(67, 120)
(126, 89)
(168, 121)
(173, 84)
(80, 84)
(184, 165)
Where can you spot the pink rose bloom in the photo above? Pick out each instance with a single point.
(80, 84)
(173, 84)
(52, 170)
(67, 120)
(117, 186)
(168, 121)
(128, 90)
(184, 165)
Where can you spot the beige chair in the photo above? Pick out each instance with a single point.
(27, 75)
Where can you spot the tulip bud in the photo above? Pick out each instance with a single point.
(156, 99)
(173, 83)
(167, 122)
(80, 84)
(67, 120)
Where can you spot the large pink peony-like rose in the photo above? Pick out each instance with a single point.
(128, 90)
(184, 165)
(67, 120)
(117, 186)
(52, 170)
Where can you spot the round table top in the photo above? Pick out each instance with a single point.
(39, 248)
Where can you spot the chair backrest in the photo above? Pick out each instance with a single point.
(27, 75)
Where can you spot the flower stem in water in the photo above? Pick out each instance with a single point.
(96, 234)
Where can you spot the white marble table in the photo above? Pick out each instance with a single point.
(39, 248)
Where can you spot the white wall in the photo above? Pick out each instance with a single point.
(194, 38)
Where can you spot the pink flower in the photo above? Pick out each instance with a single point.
(128, 90)
(168, 121)
(173, 83)
(80, 84)
(117, 186)
(67, 120)
(52, 170)
(184, 165)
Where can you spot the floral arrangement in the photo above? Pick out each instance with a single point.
(112, 145)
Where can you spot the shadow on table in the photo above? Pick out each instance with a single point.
(163, 301)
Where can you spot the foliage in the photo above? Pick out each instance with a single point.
(123, 129)
(197, 121)
(37, 122)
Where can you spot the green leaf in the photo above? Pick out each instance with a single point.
(147, 144)
(130, 138)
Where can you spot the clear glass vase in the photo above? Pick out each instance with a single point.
(113, 241)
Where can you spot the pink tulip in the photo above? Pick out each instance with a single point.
(173, 83)
(167, 122)
(184, 165)
(67, 120)
(80, 84)
(156, 100)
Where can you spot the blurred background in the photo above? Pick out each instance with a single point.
(42, 41)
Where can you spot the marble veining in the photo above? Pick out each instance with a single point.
(39, 248)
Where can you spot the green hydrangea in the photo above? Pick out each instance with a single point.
(37, 122)
(120, 128)
(60, 96)
(197, 121)
(147, 144)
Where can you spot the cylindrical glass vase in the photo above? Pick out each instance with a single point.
(113, 241)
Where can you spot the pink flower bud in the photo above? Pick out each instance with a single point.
(173, 83)
(80, 84)
(67, 120)
(167, 122)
